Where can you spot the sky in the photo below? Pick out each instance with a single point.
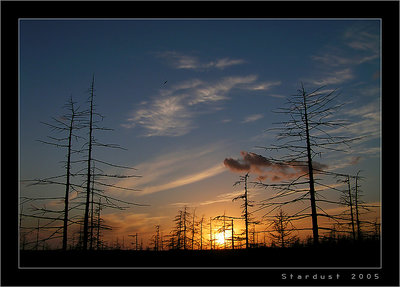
(183, 95)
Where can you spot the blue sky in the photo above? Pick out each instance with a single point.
(183, 95)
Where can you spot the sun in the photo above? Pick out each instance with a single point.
(219, 238)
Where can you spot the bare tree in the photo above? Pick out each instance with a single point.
(226, 226)
(201, 232)
(156, 239)
(283, 229)
(136, 241)
(179, 238)
(348, 200)
(193, 227)
(246, 204)
(357, 207)
(176, 237)
(358, 203)
(94, 118)
(94, 178)
(65, 127)
(308, 132)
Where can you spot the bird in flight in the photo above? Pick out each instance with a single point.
(163, 84)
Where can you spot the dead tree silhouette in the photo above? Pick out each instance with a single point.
(283, 229)
(306, 134)
(65, 127)
(73, 125)
(247, 215)
(94, 118)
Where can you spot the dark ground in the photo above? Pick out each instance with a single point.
(364, 255)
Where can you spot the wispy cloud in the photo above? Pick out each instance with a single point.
(224, 121)
(173, 111)
(185, 180)
(252, 118)
(182, 61)
(333, 59)
(226, 62)
(220, 198)
(365, 121)
(360, 38)
(225, 197)
(219, 90)
(165, 116)
(264, 86)
(358, 45)
(128, 222)
(179, 60)
(335, 77)
(175, 169)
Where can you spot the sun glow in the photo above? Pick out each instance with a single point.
(219, 238)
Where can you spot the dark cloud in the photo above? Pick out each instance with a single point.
(255, 159)
(266, 169)
(236, 165)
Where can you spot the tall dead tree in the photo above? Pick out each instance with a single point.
(94, 118)
(178, 231)
(211, 237)
(156, 239)
(232, 236)
(308, 131)
(89, 170)
(98, 225)
(193, 227)
(65, 127)
(350, 202)
(136, 241)
(351, 198)
(246, 204)
(185, 217)
(201, 232)
(181, 229)
(357, 205)
(68, 175)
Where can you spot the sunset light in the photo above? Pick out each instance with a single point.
(169, 136)
(220, 238)
(200, 143)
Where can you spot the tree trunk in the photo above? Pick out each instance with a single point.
(351, 209)
(37, 234)
(233, 244)
(66, 200)
(311, 176)
(224, 232)
(92, 212)
(201, 233)
(357, 215)
(184, 229)
(246, 215)
(211, 233)
(98, 226)
(86, 217)
(194, 214)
